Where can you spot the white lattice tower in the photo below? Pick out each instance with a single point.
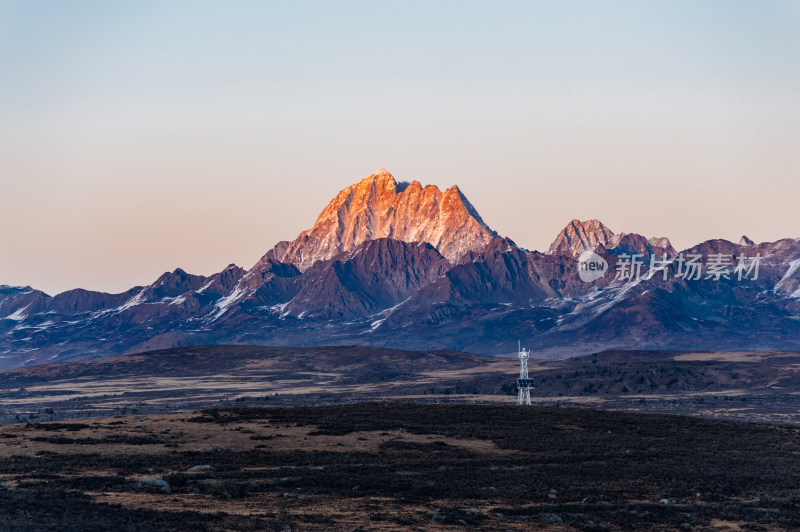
(523, 384)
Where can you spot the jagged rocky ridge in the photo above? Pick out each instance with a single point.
(380, 207)
(402, 265)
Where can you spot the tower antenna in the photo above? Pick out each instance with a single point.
(524, 383)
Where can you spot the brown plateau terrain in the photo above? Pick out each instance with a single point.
(294, 439)
(400, 466)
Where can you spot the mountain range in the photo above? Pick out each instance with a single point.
(398, 264)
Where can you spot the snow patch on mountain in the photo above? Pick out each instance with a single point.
(138, 299)
(225, 302)
(793, 267)
(204, 287)
(19, 314)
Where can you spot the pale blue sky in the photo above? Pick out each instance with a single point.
(136, 137)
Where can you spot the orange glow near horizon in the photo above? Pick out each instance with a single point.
(144, 137)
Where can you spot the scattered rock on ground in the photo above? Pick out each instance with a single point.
(150, 481)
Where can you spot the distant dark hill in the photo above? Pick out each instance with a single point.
(757, 386)
(187, 378)
(348, 363)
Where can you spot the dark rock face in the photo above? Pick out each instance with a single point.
(79, 300)
(377, 275)
(402, 292)
(502, 273)
(632, 243)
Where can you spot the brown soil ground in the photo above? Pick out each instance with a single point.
(400, 466)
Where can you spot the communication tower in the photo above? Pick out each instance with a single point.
(524, 384)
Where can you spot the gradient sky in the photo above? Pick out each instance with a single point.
(137, 137)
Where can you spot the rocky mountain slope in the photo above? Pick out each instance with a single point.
(398, 265)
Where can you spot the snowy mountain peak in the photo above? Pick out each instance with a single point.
(379, 174)
(380, 179)
(578, 237)
(380, 207)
